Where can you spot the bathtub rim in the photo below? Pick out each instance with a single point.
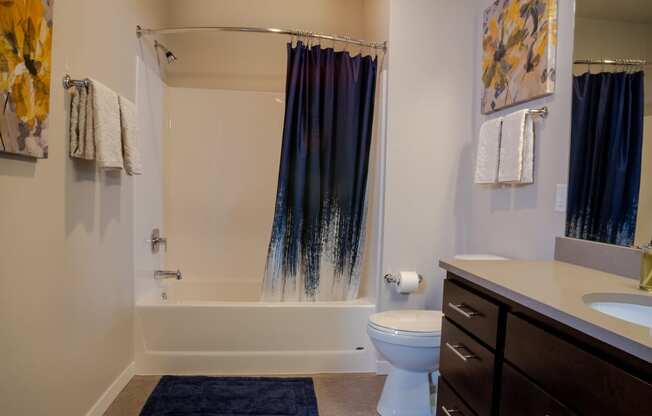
(154, 302)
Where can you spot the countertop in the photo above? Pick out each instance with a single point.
(556, 290)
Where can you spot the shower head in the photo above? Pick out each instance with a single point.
(169, 56)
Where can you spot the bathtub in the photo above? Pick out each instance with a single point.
(202, 327)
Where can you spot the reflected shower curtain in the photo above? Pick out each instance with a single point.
(606, 152)
(318, 231)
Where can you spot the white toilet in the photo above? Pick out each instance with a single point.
(409, 340)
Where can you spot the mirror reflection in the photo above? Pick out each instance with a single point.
(610, 181)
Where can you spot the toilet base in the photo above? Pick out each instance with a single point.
(406, 393)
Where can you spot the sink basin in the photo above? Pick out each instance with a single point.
(636, 309)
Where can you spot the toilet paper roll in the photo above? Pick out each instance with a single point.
(408, 283)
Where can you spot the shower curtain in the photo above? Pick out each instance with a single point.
(317, 237)
(606, 152)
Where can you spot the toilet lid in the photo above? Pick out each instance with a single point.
(409, 321)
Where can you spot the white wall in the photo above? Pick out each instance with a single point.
(148, 188)
(66, 263)
(221, 167)
(431, 61)
(520, 221)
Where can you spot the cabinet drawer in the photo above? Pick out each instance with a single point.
(448, 403)
(586, 383)
(468, 367)
(474, 313)
(522, 397)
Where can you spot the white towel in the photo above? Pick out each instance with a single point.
(129, 128)
(82, 140)
(528, 151)
(106, 125)
(517, 149)
(486, 167)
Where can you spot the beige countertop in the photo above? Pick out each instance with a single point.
(557, 290)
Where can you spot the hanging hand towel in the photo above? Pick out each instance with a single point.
(527, 175)
(486, 167)
(129, 129)
(517, 144)
(106, 126)
(82, 145)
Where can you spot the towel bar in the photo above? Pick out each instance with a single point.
(68, 82)
(539, 112)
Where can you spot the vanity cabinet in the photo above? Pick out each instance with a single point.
(499, 358)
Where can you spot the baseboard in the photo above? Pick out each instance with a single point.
(382, 367)
(112, 392)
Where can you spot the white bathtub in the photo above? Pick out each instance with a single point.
(210, 328)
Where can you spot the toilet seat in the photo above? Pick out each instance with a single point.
(415, 323)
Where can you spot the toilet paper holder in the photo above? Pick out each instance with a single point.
(395, 279)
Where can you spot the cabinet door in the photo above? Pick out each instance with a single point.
(585, 383)
(521, 397)
(468, 367)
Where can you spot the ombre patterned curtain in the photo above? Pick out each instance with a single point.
(606, 153)
(318, 231)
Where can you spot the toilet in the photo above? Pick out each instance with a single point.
(409, 340)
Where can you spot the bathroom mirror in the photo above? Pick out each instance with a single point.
(610, 179)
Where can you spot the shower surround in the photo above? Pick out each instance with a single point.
(221, 154)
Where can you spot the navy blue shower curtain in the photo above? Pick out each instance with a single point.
(318, 231)
(606, 152)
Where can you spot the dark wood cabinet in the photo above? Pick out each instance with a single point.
(504, 359)
(474, 313)
(449, 403)
(520, 397)
(573, 375)
(468, 367)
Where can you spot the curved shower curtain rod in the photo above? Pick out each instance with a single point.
(337, 38)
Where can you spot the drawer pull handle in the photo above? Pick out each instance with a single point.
(458, 308)
(456, 349)
(451, 412)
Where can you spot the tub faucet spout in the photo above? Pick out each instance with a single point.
(168, 274)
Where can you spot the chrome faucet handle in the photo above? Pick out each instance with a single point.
(168, 274)
(157, 241)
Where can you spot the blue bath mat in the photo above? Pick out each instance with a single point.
(232, 396)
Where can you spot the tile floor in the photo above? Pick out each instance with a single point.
(337, 395)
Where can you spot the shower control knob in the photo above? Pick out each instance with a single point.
(156, 240)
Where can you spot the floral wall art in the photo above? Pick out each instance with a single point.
(519, 49)
(25, 65)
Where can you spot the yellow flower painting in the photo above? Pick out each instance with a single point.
(519, 51)
(25, 66)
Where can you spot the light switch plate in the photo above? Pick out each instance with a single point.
(561, 197)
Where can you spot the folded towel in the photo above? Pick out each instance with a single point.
(82, 141)
(486, 167)
(516, 149)
(106, 126)
(129, 127)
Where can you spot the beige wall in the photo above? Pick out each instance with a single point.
(66, 279)
(428, 139)
(248, 61)
(595, 38)
(520, 221)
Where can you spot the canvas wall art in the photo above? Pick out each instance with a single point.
(519, 50)
(25, 67)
